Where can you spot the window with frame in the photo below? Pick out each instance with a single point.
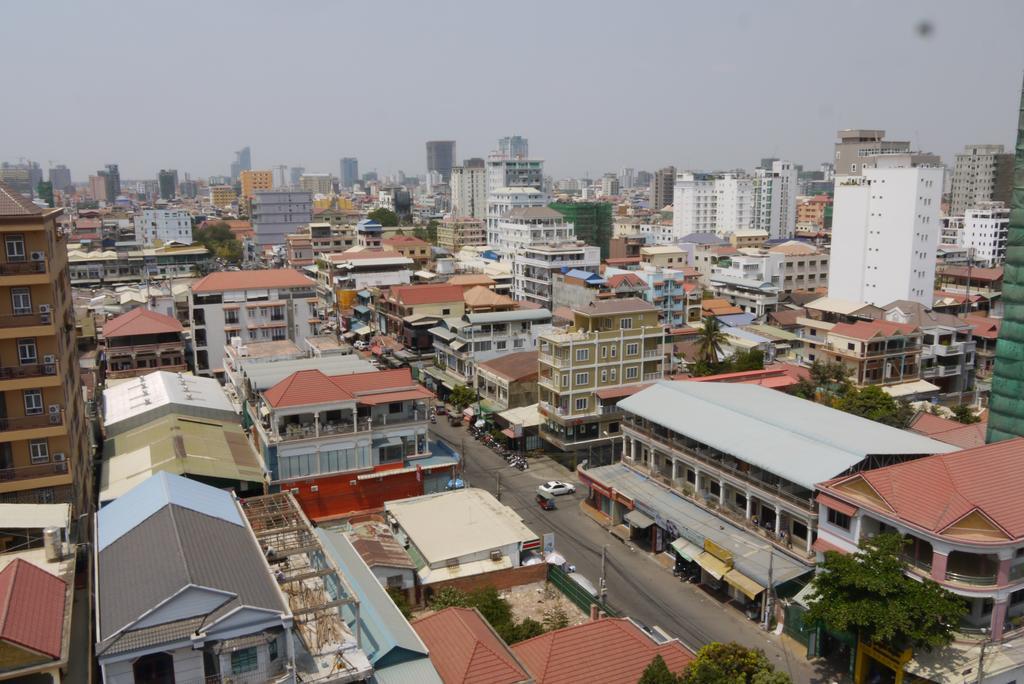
(632, 373)
(625, 323)
(582, 354)
(33, 402)
(518, 343)
(604, 376)
(244, 660)
(838, 519)
(582, 378)
(395, 407)
(613, 372)
(632, 349)
(14, 246)
(604, 351)
(581, 403)
(500, 345)
(21, 300)
(39, 451)
(565, 380)
(614, 351)
(27, 352)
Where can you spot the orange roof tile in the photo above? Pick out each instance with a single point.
(514, 366)
(140, 321)
(936, 492)
(222, 281)
(32, 608)
(471, 279)
(481, 296)
(465, 650)
(608, 650)
(414, 295)
(407, 240)
(307, 387)
(949, 431)
(985, 328)
(627, 279)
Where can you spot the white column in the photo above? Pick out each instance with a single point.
(316, 423)
(675, 465)
(778, 519)
(810, 535)
(750, 504)
(721, 493)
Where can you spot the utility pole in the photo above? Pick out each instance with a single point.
(602, 590)
(497, 493)
(768, 603)
(981, 660)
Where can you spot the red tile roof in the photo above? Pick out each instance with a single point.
(407, 240)
(866, 330)
(774, 378)
(471, 279)
(308, 387)
(626, 278)
(620, 392)
(514, 366)
(985, 328)
(13, 203)
(414, 295)
(140, 321)
(252, 280)
(949, 431)
(465, 650)
(608, 650)
(936, 492)
(974, 273)
(32, 608)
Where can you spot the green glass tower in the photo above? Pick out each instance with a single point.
(1006, 404)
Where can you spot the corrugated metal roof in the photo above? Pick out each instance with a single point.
(127, 403)
(535, 315)
(388, 638)
(32, 516)
(263, 375)
(796, 439)
(163, 489)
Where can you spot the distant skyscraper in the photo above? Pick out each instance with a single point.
(627, 178)
(514, 147)
(349, 171)
(662, 186)
(111, 181)
(168, 180)
(243, 162)
(295, 175)
(19, 177)
(60, 176)
(441, 157)
(469, 190)
(983, 173)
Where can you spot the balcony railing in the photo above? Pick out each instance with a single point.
(25, 319)
(158, 348)
(22, 268)
(32, 472)
(553, 360)
(976, 580)
(32, 422)
(132, 372)
(30, 370)
(294, 432)
(653, 354)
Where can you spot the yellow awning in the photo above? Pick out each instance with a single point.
(743, 583)
(712, 565)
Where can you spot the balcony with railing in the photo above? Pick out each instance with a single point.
(973, 569)
(33, 472)
(307, 426)
(25, 320)
(14, 273)
(9, 427)
(28, 371)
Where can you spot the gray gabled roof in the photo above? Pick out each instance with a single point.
(798, 440)
(535, 315)
(264, 375)
(172, 549)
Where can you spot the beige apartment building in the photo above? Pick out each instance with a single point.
(454, 233)
(610, 351)
(44, 453)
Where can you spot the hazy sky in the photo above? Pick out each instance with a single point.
(595, 86)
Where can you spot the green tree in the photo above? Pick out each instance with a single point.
(732, 663)
(495, 609)
(219, 240)
(432, 225)
(658, 673)
(45, 191)
(555, 618)
(461, 397)
(521, 631)
(447, 597)
(829, 375)
(401, 601)
(385, 217)
(750, 360)
(964, 414)
(873, 403)
(710, 341)
(868, 593)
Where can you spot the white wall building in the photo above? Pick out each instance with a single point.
(734, 194)
(532, 225)
(750, 280)
(469, 191)
(774, 193)
(277, 213)
(885, 232)
(278, 304)
(509, 181)
(534, 266)
(985, 232)
(703, 203)
(163, 225)
(500, 201)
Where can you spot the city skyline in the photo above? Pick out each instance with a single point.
(771, 87)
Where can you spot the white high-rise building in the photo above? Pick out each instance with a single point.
(775, 192)
(609, 185)
(734, 210)
(704, 203)
(163, 225)
(469, 191)
(885, 231)
(985, 232)
(514, 147)
(500, 203)
(524, 226)
(627, 178)
(512, 183)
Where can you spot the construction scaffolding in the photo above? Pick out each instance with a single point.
(315, 588)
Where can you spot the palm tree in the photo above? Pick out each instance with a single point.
(710, 340)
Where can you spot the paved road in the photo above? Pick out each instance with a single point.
(637, 585)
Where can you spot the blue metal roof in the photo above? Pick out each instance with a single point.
(162, 489)
(387, 637)
(369, 226)
(737, 319)
(491, 255)
(582, 275)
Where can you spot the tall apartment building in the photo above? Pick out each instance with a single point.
(514, 147)
(662, 187)
(44, 450)
(317, 183)
(982, 173)
(454, 233)
(220, 195)
(861, 148)
(985, 231)
(167, 179)
(501, 201)
(163, 225)
(441, 158)
(111, 182)
(22, 177)
(627, 178)
(705, 203)
(349, 171)
(774, 194)
(522, 226)
(254, 306)
(277, 213)
(885, 232)
(243, 162)
(60, 176)
(469, 190)
(254, 181)
(612, 347)
(534, 267)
